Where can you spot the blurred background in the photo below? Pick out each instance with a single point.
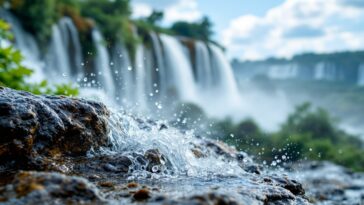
(280, 79)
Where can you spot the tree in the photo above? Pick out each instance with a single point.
(155, 17)
(201, 30)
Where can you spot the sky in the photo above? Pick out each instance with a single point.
(258, 29)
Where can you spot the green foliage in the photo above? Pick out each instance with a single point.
(13, 74)
(307, 134)
(200, 30)
(109, 15)
(155, 17)
(112, 18)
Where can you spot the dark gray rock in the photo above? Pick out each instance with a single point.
(36, 128)
(49, 188)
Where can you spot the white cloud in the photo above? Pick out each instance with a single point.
(174, 10)
(296, 26)
(186, 10)
(141, 10)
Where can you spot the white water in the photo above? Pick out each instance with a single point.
(283, 71)
(140, 79)
(58, 58)
(324, 71)
(203, 66)
(162, 82)
(180, 78)
(102, 65)
(161, 75)
(72, 40)
(130, 135)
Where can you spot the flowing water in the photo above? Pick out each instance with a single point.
(361, 75)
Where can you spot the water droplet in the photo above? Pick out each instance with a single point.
(130, 68)
(85, 79)
(155, 169)
(232, 135)
(64, 74)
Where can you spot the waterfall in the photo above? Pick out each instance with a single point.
(124, 75)
(288, 71)
(227, 86)
(361, 75)
(325, 71)
(70, 33)
(164, 73)
(162, 82)
(203, 66)
(180, 77)
(65, 52)
(102, 65)
(57, 57)
(140, 79)
(27, 45)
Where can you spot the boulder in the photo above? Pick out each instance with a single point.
(36, 128)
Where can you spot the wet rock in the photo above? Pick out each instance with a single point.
(103, 164)
(35, 128)
(207, 199)
(327, 183)
(289, 184)
(49, 188)
(141, 195)
(155, 160)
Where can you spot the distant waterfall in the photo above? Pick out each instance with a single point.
(102, 65)
(204, 76)
(140, 79)
(180, 76)
(325, 71)
(27, 44)
(361, 75)
(123, 75)
(58, 58)
(283, 71)
(227, 83)
(72, 40)
(163, 73)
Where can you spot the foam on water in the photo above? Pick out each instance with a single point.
(130, 136)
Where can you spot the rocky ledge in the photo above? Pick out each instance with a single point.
(56, 140)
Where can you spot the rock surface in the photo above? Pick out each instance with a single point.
(49, 188)
(327, 183)
(37, 129)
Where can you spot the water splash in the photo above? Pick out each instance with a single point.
(131, 135)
